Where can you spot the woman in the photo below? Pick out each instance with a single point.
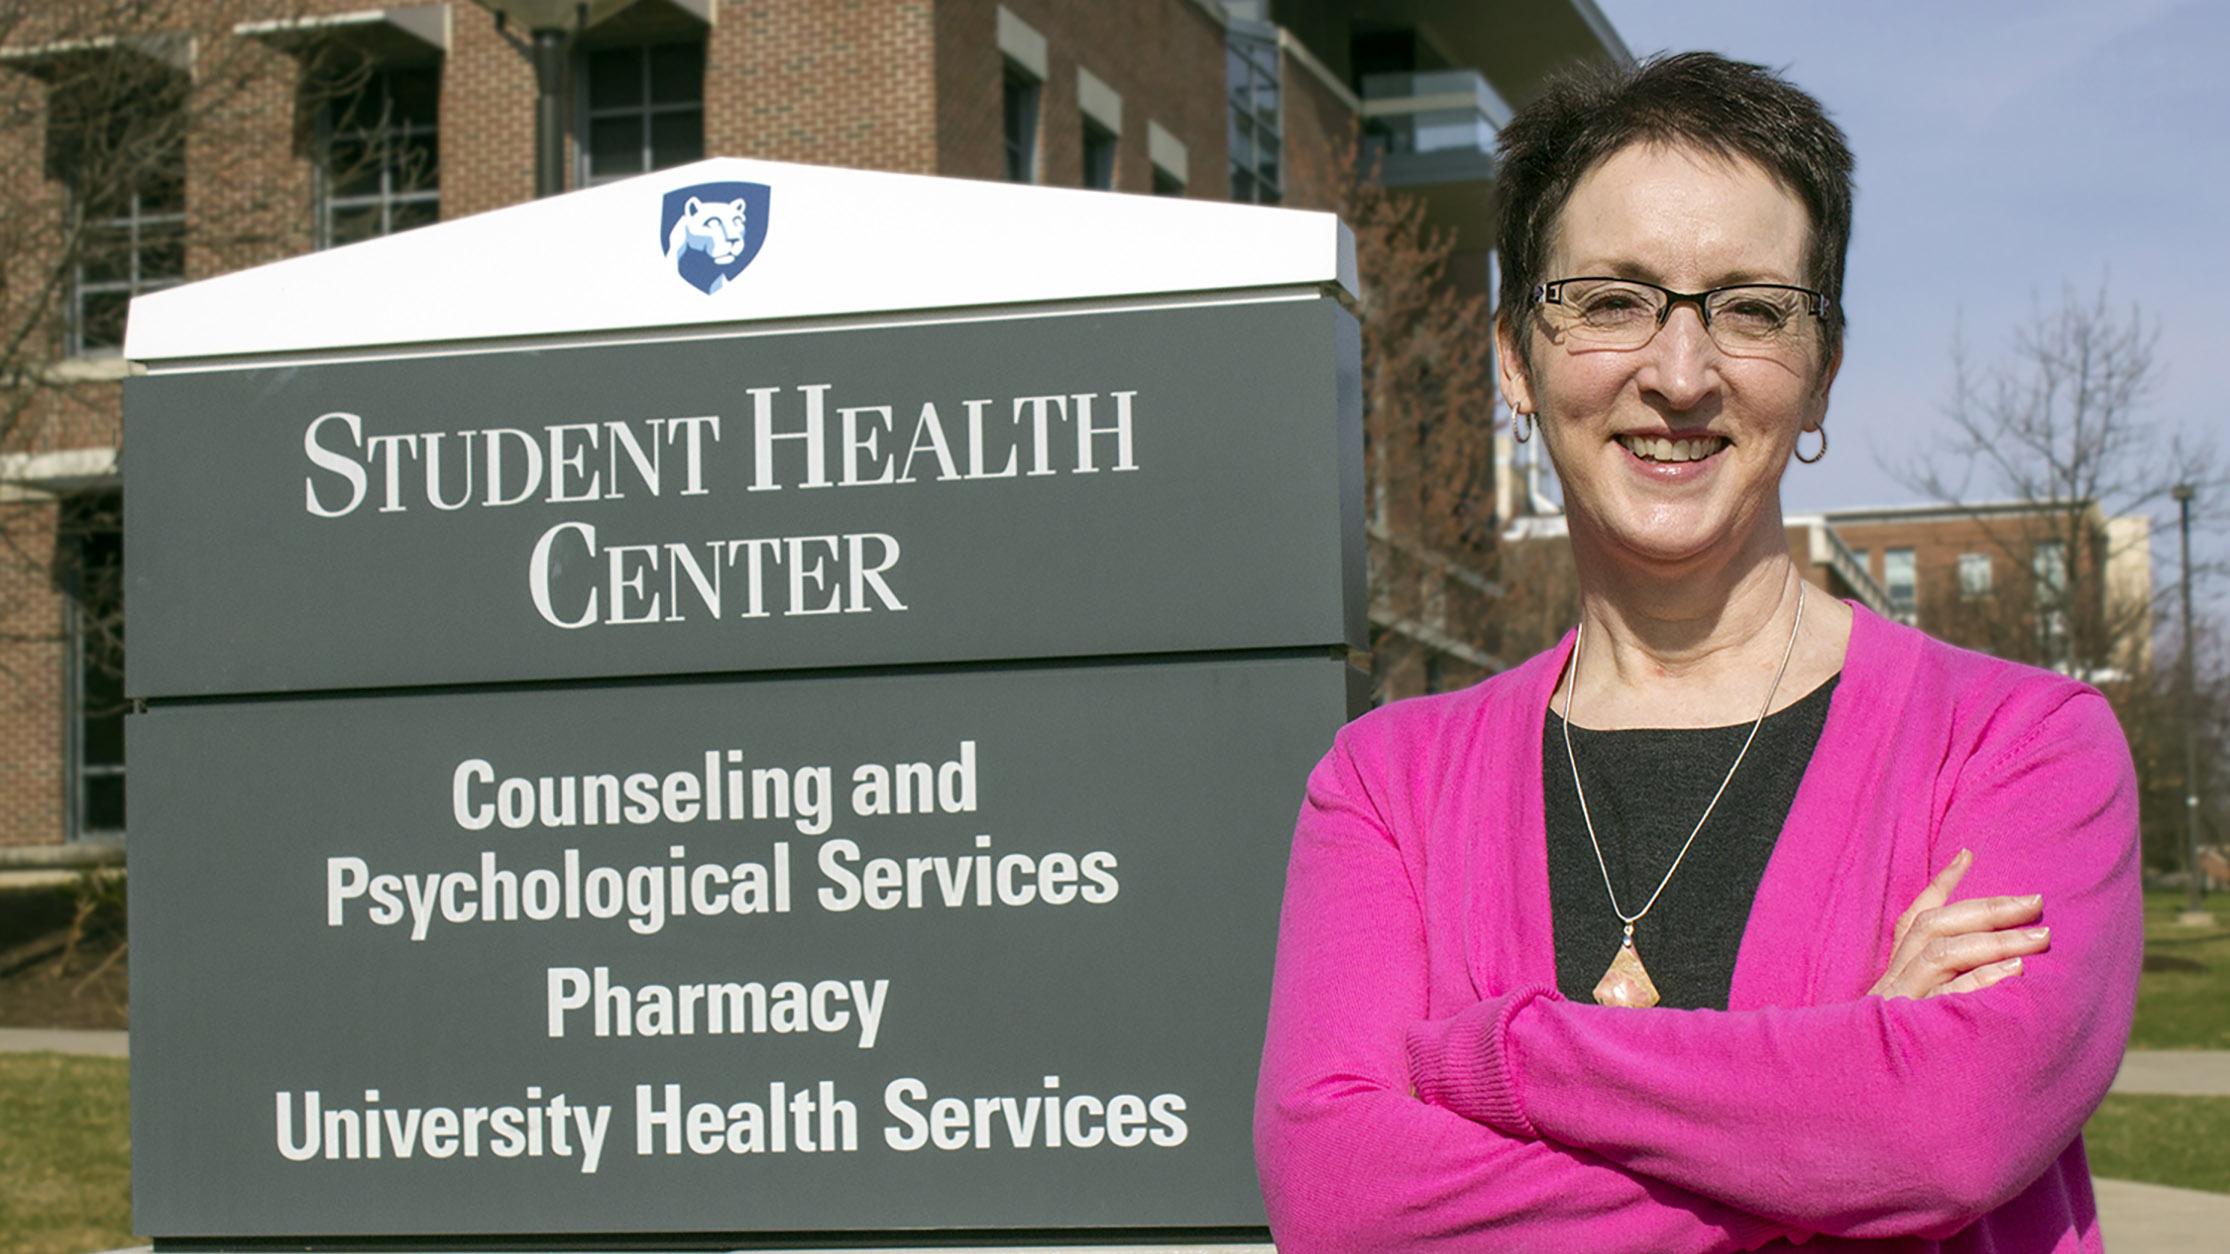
(1613, 951)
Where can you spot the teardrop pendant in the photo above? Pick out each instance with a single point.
(1627, 982)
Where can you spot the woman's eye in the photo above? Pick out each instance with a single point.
(1611, 305)
(1755, 314)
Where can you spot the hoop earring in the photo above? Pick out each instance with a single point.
(1520, 429)
(1814, 458)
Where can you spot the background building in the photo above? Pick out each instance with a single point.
(174, 140)
(2061, 586)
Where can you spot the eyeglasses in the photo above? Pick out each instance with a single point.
(1744, 319)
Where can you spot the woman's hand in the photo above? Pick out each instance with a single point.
(1960, 947)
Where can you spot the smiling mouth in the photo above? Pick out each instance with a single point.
(1688, 449)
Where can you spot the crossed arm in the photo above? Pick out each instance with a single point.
(1544, 1122)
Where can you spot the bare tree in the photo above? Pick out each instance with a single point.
(2055, 457)
(1428, 435)
(138, 141)
(2048, 447)
(2151, 712)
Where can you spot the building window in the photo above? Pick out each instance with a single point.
(2048, 565)
(1167, 184)
(91, 572)
(643, 109)
(1251, 57)
(1974, 576)
(1019, 107)
(379, 157)
(1901, 582)
(1099, 157)
(119, 137)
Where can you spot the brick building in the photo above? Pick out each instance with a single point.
(210, 135)
(2067, 587)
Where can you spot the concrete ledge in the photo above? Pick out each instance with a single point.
(90, 1042)
(59, 857)
(2155, 1219)
(2177, 1072)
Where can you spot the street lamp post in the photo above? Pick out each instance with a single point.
(549, 110)
(2194, 913)
(551, 26)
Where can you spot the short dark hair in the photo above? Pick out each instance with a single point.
(1697, 100)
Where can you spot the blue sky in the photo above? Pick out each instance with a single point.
(2005, 150)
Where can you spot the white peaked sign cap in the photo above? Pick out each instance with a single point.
(835, 242)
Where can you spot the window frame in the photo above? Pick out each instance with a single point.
(1099, 155)
(1971, 587)
(1253, 47)
(82, 543)
(2048, 575)
(587, 114)
(388, 197)
(1907, 608)
(1021, 121)
(143, 227)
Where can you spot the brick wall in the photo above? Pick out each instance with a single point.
(1163, 57)
(31, 678)
(247, 157)
(1319, 135)
(830, 82)
(487, 116)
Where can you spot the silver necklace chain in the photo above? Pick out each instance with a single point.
(1572, 682)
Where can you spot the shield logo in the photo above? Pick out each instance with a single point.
(711, 231)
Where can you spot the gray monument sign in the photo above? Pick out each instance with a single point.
(777, 740)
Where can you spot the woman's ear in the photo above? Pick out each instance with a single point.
(1827, 372)
(1510, 369)
(1818, 403)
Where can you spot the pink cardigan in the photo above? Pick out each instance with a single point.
(1424, 1085)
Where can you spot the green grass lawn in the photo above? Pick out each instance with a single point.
(2162, 1140)
(2183, 1002)
(65, 1154)
(2183, 999)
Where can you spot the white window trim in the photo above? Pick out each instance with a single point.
(1022, 44)
(1166, 152)
(428, 24)
(1098, 101)
(48, 476)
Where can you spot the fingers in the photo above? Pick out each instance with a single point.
(1943, 961)
(1935, 895)
(1980, 978)
(1948, 958)
(1981, 914)
(1942, 946)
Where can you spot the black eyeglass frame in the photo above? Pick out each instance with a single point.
(1817, 303)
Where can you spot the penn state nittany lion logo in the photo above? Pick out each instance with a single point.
(711, 231)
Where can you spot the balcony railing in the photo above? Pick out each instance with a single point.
(1433, 127)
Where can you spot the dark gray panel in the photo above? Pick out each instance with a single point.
(1239, 528)
(1189, 774)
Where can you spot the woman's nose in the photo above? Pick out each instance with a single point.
(1684, 360)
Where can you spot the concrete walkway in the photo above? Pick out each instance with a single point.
(65, 1041)
(2155, 1219)
(2175, 1072)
